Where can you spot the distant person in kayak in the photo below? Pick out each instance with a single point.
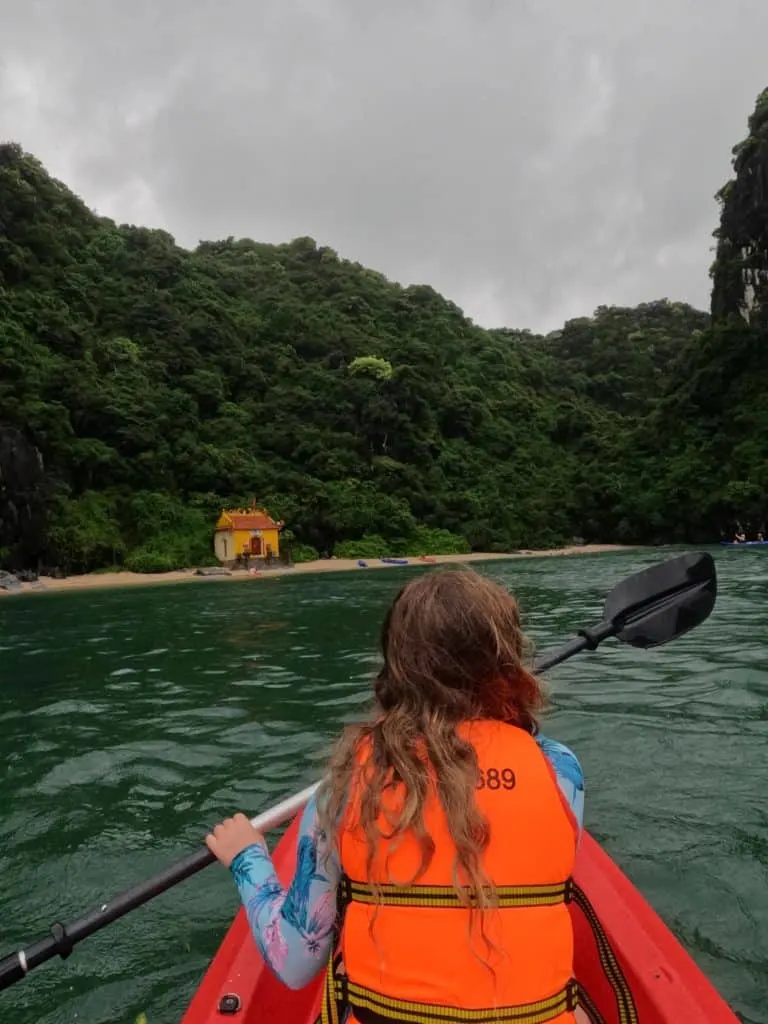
(444, 836)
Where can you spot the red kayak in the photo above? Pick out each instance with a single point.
(630, 967)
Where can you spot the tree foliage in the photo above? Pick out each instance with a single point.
(143, 386)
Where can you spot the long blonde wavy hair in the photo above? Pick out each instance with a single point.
(453, 652)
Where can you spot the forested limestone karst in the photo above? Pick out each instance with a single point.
(144, 386)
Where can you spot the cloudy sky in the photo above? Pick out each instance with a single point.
(530, 159)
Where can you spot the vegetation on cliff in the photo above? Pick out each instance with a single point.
(143, 386)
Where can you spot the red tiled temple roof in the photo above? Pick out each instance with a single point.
(252, 521)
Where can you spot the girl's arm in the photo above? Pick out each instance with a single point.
(568, 772)
(292, 928)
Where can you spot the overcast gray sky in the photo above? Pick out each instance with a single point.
(530, 159)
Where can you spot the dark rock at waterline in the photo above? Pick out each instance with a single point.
(8, 581)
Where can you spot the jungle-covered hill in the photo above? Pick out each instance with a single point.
(142, 386)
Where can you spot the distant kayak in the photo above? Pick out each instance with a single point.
(744, 543)
(394, 561)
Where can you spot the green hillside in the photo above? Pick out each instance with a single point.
(142, 386)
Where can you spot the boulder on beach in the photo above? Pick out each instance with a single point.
(8, 581)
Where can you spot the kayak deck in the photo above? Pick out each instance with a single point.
(629, 964)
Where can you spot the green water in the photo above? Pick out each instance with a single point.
(132, 720)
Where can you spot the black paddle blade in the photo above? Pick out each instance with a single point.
(664, 601)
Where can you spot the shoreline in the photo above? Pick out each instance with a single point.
(116, 580)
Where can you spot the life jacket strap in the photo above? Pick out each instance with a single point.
(341, 994)
(335, 1002)
(371, 1007)
(387, 895)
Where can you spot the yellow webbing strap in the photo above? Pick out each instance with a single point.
(373, 1008)
(589, 1007)
(446, 895)
(611, 968)
(339, 993)
(333, 1006)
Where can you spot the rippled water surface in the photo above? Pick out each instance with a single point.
(131, 720)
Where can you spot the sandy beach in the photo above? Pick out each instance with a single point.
(129, 579)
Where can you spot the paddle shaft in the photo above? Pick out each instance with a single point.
(62, 939)
(649, 600)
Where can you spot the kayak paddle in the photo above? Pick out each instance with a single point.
(648, 609)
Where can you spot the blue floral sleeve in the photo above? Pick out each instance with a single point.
(293, 927)
(568, 771)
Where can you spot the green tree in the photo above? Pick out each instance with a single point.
(145, 386)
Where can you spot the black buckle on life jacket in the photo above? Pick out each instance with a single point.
(344, 893)
(572, 995)
(342, 985)
(569, 887)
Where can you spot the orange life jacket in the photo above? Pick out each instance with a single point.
(413, 952)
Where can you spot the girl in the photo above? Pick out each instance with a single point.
(443, 837)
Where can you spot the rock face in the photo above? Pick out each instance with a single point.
(22, 499)
(740, 271)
